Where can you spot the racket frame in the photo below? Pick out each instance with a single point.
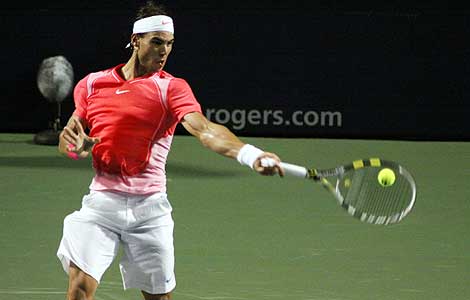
(321, 176)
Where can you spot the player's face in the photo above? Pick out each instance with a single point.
(154, 48)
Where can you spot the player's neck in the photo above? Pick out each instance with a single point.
(132, 69)
(129, 70)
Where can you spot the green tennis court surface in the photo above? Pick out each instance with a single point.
(240, 235)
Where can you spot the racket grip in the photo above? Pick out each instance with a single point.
(294, 170)
(289, 169)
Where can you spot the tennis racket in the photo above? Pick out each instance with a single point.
(359, 190)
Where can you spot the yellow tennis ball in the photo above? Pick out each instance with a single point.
(386, 177)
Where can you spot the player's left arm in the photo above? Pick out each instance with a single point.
(221, 140)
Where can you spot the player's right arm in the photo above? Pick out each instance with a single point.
(221, 140)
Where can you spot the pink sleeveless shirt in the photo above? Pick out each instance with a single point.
(136, 121)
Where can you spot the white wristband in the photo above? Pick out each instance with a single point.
(248, 154)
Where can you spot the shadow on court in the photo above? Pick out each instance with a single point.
(55, 162)
(43, 162)
(239, 235)
(188, 170)
(12, 143)
(18, 139)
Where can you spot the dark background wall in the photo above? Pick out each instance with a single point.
(299, 69)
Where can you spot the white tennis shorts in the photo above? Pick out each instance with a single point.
(142, 224)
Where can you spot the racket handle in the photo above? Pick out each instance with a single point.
(294, 170)
(289, 169)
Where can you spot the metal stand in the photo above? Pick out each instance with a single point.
(50, 136)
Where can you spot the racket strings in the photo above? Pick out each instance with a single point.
(367, 199)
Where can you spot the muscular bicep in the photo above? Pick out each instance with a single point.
(196, 124)
(214, 136)
(221, 140)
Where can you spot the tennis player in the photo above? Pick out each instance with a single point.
(125, 117)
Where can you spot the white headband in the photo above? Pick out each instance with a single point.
(154, 23)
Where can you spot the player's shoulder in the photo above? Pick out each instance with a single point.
(175, 82)
(91, 78)
(101, 73)
(165, 74)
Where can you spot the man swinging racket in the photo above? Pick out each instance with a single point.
(131, 111)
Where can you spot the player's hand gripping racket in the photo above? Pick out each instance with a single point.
(373, 190)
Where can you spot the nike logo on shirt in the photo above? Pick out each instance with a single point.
(118, 92)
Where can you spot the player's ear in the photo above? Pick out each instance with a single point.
(134, 41)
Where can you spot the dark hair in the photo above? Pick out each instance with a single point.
(149, 9)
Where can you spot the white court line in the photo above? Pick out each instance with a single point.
(113, 283)
(111, 296)
(209, 298)
(412, 290)
(42, 291)
(7, 292)
(33, 289)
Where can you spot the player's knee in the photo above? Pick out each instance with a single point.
(81, 285)
(79, 292)
(166, 296)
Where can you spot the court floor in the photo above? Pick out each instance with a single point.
(239, 235)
